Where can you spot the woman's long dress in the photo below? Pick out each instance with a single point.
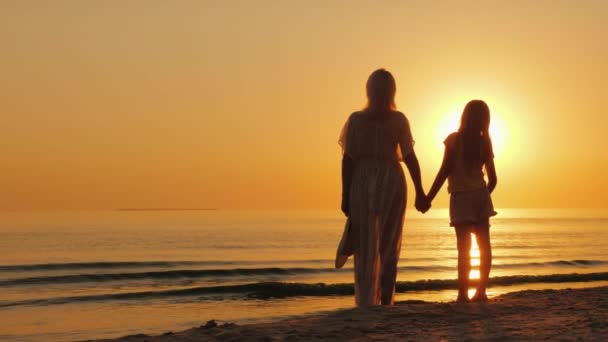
(377, 200)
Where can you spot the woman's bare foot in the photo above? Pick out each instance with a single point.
(480, 297)
(463, 298)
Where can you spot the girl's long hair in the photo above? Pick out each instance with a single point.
(381, 89)
(474, 131)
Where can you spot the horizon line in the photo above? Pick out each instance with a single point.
(166, 209)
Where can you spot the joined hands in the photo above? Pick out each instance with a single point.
(422, 203)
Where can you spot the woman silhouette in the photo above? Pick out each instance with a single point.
(374, 141)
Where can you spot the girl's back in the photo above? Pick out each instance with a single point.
(464, 177)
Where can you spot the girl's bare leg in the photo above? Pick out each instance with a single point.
(463, 237)
(482, 235)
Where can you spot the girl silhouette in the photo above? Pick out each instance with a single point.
(467, 152)
(374, 141)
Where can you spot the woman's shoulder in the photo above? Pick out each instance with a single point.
(393, 118)
(355, 116)
(399, 115)
(399, 119)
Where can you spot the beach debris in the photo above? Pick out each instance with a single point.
(209, 325)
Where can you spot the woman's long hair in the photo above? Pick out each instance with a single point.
(474, 131)
(381, 89)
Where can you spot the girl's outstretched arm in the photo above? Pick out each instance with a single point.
(491, 172)
(442, 175)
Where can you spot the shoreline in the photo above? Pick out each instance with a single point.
(524, 315)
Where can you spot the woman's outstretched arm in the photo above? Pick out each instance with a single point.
(348, 165)
(411, 161)
(442, 175)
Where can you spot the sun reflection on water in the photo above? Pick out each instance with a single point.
(474, 253)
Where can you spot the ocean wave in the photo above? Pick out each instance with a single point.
(162, 264)
(106, 265)
(144, 264)
(174, 274)
(172, 264)
(255, 272)
(556, 263)
(270, 290)
(190, 274)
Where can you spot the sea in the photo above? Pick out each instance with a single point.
(77, 275)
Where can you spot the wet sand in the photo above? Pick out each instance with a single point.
(562, 315)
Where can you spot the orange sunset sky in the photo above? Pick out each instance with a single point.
(239, 104)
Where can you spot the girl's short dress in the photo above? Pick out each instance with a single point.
(471, 208)
(470, 200)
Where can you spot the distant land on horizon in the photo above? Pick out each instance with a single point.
(166, 209)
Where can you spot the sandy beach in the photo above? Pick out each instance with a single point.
(561, 315)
